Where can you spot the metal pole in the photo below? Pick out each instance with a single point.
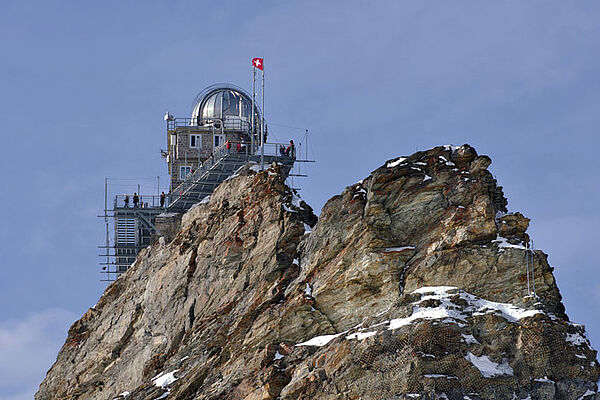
(305, 148)
(532, 267)
(106, 221)
(157, 189)
(262, 129)
(223, 131)
(527, 266)
(253, 130)
(171, 172)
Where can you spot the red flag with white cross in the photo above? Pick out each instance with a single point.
(258, 63)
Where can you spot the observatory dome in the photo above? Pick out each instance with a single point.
(224, 102)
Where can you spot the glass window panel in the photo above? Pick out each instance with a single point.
(209, 107)
(195, 141)
(231, 105)
(183, 172)
(245, 108)
(226, 103)
(218, 103)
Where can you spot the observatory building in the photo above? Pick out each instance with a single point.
(220, 113)
(226, 130)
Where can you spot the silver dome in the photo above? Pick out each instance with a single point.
(227, 103)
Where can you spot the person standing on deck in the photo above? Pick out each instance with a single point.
(126, 201)
(136, 200)
(228, 146)
(291, 150)
(162, 199)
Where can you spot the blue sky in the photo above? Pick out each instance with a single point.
(84, 86)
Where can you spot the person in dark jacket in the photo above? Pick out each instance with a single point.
(136, 200)
(162, 199)
(126, 201)
(291, 150)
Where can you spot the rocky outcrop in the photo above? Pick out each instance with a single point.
(412, 284)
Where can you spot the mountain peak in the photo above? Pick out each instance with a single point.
(414, 283)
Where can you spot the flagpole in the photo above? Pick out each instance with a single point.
(253, 130)
(262, 130)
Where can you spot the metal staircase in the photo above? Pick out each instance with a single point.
(213, 171)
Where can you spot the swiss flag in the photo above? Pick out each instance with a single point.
(258, 63)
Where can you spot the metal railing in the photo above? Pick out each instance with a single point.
(233, 123)
(271, 149)
(279, 149)
(190, 180)
(221, 152)
(145, 201)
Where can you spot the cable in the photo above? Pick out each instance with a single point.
(286, 126)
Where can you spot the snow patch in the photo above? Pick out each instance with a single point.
(164, 380)
(576, 339)
(439, 290)
(476, 306)
(544, 379)
(286, 208)
(397, 249)
(488, 368)
(446, 311)
(360, 335)
(296, 200)
(587, 393)
(503, 244)
(448, 163)
(319, 340)
(425, 313)
(470, 339)
(204, 200)
(308, 290)
(396, 162)
(255, 167)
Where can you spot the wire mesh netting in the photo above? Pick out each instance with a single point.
(429, 361)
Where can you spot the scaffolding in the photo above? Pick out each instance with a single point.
(133, 229)
(134, 226)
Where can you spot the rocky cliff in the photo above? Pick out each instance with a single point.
(411, 284)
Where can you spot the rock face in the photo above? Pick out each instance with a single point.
(412, 284)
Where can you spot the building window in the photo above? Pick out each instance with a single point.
(219, 140)
(195, 141)
(173, 140)
(183, 172)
